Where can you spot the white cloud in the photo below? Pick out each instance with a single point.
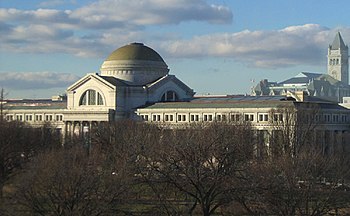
(294, 45)
(89, 30)
(100, 27)
(105, 14)
(35, 80)
(150, 12)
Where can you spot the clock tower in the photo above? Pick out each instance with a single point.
(338, 59)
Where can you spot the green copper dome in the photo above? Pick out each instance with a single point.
(135, 51)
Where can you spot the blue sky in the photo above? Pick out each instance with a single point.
(214, 46)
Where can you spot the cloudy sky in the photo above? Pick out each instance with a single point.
(214, 46)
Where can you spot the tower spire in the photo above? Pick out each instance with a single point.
(338, 42)
(338, 59)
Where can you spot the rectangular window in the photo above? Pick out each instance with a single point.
(343, 118)
(278, 117)
(154, 118)
(235, 117)
(181, 117)
(249, 117)
(192, 117)
(29, 118)
(171, 118)
(166, 118)
(266, 117)
(317, 118)
(19, 117)
(144, 117)
(223, 117)
(205, 118)
(38, 117)
(9, 117)
(49, 118)
(59, 117)
(218, 117)
(263, 117)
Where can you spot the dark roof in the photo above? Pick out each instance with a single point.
(226, 102)
(114, 81)
(35, 104)
(338, 42)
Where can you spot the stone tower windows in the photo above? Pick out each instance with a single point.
(335, 62)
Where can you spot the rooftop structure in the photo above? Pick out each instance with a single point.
(332, 86)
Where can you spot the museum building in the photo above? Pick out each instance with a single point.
(134, 83)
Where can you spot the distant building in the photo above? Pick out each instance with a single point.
(131, 77)
(338, 60)
(332, 86)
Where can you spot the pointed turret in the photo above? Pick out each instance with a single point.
(338, 42)
(338, 60)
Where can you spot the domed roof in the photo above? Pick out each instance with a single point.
(135, 51)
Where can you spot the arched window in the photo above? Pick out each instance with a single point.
(91, 97)
(169, 96)
(337, 61)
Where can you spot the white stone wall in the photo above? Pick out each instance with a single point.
(338, 120)
(108, 94)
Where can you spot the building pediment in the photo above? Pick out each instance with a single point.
(87, 78)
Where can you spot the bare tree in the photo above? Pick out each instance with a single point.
(298, 178)
(293, 127)
(203, 162)
(312, 184)
(2, 102)
(68, 182)
(130, 143)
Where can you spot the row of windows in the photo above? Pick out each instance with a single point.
(209, 117)
(260, 117)
(31, 117)
(334, 61)
(331, 118)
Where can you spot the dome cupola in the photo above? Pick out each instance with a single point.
(135, 63)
